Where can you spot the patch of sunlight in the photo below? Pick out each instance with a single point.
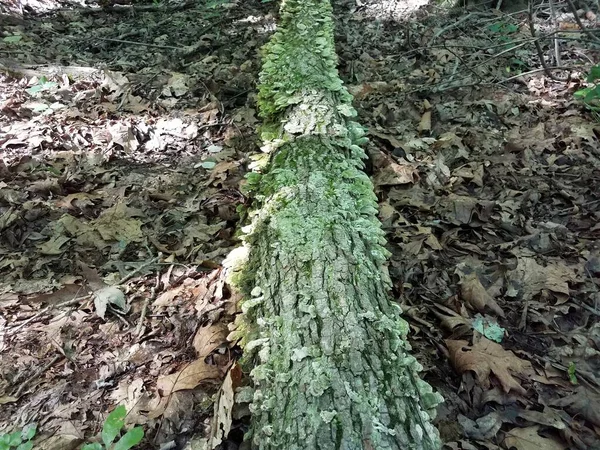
(392, 9)
(44, 6)
(264, 24)
(251, 19)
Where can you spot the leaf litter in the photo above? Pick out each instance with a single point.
(119, 196)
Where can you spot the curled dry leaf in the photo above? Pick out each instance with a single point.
(110, 295)
(473, 292)
(209, 338)
(394, 174)
(425, 123)
(485, 358)
(222, 420)
(485, 428)
(189, 377)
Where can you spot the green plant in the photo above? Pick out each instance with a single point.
(42, 85)
(571, 371)
(112, 429)
(590, 96)
(18, 440)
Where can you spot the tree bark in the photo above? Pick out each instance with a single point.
(327, 346)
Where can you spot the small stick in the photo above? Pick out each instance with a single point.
(133, 273)
(452, 25)
(124, 41)
(140, 326)
(44, 311)
(556, 41)
(578, 20)
(543, 69)
(538, 48)
(37, 374)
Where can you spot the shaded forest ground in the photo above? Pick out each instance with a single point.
(125, 134)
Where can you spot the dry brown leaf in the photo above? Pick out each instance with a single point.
(484, 428)
(68, 437)
(394, 174)
(425, 123)
(583, 403)
(77, 201)
(455, 323)
(529, 278)
(209, 338)
(486, 357)
(529, 439)
(166, 298)
(66, 293)
(189, 377)
(387, 137)
(221, 424)
(473, 292)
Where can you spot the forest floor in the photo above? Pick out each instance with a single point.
(125, 134)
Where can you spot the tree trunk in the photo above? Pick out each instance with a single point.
(327, 347)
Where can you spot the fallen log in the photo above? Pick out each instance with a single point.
(326, 346)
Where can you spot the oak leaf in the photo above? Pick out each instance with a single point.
(485, 358)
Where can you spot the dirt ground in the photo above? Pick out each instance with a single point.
(125, 134)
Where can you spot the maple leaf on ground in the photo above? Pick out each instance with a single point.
(485, 357)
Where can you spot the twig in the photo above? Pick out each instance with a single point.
(452, 25)
(538, 47)
(556, 41)
(544, 69)
(37, 374)
(140, 326)
(144, 266)
(124, 41)
(140, 30)
(44, 311)
(129, 8)
(578, 21)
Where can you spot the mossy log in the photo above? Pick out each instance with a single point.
(326, 346)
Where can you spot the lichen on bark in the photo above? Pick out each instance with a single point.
(327, 348)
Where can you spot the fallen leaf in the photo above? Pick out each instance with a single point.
(476, 296)
(529, 278)
(167, 297)
(387, 137)
(425, 123)
(486, 357)
(109, 295)
(124, 136)
(583, 403)
(117, 224)
(77, 201)
(529, 439)
(54, 246)
(222, 421)
(484, 428)
(489, 328)
(395, 174)
(66, 293)
(209, 338)
(189, 377)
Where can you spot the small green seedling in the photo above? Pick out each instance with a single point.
(590, 96)
(503, 28)
(571, 371)
(19, 440)
(42, 85)
(112, 429)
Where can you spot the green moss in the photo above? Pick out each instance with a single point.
(330, 361)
